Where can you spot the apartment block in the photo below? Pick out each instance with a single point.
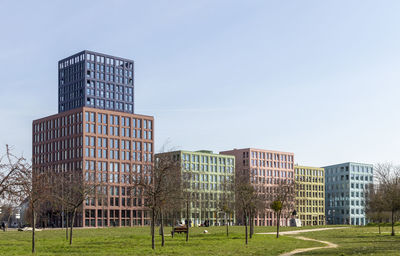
(345, 192)
(96, 135)
(91, 79)
(310, 195)
(265, 169)
(206, 176)
(107, 147)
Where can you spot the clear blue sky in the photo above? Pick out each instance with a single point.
(317, 78)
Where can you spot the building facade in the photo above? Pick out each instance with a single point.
(108, 147)
(97, 80)
(345, 192)
(310, 195)
(96, 135)
(265, 169)
(209, 178)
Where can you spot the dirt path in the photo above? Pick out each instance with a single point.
(328, 245)
(295, 232)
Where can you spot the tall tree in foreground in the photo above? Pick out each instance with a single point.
(226, 202)
(160, 187)
(10, 173)
(33, 186)
(282, 200)
(75, 190)
(246, 197)
(388, 177)
(375, 204)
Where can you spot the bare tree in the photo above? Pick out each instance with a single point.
(10, 172)
(33, 185)
(226, 203)
(75, 190)
(160, 187)
(247, 199)
(282, 200)
(375, 204)
(388, 177)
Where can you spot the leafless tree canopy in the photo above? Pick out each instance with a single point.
(385, 195)
(161, 189)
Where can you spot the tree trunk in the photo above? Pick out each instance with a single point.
(152, 227)
(187, 220)
(173, 225)
(278, 224)
(245, 224)
(379, 227)
(227, 226)
(66, 226)
(251, 225)
(72, 225)
(392, 223)
(33, 229)
(162, 228)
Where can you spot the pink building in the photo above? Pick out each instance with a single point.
(265, 168)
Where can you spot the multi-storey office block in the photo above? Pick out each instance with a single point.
(209, 178)
(265, 169)
(91, 79)
(310, 195)
(345, 192)
(107, 147)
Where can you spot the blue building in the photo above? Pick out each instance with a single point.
(345, 186)
(90, 79)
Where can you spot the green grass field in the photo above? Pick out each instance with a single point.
(136, 241)
(357, 241)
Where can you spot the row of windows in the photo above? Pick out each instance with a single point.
(270, 156)
(310, 194)
(346, 177)
(66, 120)
(118, 155)
(109, 87)
(107, 77)
(207, 159)
(107, 104)
(109, 69)
(116, 167)
(90, 141)
(263, 180)
(115, 120)
(301, 171)
(58, 156)
(262, 163)
(114, 131)
(308, 202)
(271, 173)
(109, 61)
(309, 179)
(207, 168)
(353, 168)
(107, 95)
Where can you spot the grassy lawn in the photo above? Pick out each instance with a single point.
(357, 241)
(136, 241)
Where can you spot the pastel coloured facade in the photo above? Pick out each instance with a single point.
(345, 192)
(310, 195)
(206, 176)
(265, 169)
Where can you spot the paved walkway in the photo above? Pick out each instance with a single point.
(295, 232)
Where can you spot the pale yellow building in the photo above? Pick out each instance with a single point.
(310, 195)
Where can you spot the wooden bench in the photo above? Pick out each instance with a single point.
(180, 229)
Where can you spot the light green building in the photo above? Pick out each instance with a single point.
(209, 179)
